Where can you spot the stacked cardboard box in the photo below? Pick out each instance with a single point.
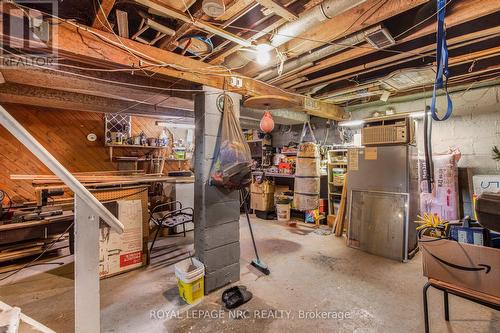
(262, 196)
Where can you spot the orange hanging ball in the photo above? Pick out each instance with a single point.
(267, 122)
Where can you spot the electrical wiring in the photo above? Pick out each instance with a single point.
(327, 42)
(107, 25)
(230, 26)
(360, 16)
(40, 255)
(424, 20)
(137, 53)
(142, 86)
(92, 77)
(204, 71)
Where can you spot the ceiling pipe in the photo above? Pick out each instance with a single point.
(312, 17)
(314, 56)
(308, 19)
(421, 95)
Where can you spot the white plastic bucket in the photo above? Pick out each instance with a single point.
(188, 277)
(283, 212)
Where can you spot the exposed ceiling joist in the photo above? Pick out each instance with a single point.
(355, 19)
(234, 8)
(163, 10)
(101, 19)
(67, 82)
(454, 61)
(230, 50)
(83, 43)
(417, 53)
(366, 14)
(463, 11)
(278, 9)
(51, 98)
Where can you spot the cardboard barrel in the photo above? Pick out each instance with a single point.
(307, 177)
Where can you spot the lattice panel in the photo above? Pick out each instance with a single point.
(116, 122)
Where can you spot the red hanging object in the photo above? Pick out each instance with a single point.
(267, 122)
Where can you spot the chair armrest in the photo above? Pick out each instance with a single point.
(155, 209)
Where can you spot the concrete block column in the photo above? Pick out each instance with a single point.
(217, 211)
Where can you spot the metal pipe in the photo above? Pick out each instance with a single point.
(20, 133)
(314, 56)
(308, 19)
(164, 11)
(312, 17)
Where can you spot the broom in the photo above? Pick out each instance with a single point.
(257, 263)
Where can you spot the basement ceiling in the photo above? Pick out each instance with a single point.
(319, 48)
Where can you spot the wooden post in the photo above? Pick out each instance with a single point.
(87, 298)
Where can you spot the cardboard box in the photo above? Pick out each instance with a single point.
(262, 201)
(485, 183)
(121, 253)
(264, 187)
(280, 189)
(464, 265)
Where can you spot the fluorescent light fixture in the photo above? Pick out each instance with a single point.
(351, 123)
(385, 96)
(173, 125)
(417, 115)
(263, 54)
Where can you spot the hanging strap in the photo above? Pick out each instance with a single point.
(304, 131)
(442, 64)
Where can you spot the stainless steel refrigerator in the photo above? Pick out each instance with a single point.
(383, 200)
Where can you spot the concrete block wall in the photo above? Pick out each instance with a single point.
(475, 135)
(217, 211)
(474, 127)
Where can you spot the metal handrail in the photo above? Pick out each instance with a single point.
(20, 133)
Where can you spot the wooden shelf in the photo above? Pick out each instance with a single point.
(134, 146)
(111, 146)
(337, 159)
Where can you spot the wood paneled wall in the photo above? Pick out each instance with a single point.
(64, 134)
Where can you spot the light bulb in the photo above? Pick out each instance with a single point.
(263, 55)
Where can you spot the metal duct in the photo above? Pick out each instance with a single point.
(310, 18)
(239, 58)
(314, 56)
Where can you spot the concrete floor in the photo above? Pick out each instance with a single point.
(309, 273)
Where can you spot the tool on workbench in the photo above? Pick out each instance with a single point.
(45, 194)
(257, 263)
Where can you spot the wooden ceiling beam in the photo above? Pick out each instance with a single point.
(278, 9)
(101, 19)
(454, 61)
(52, 98)
(426, 50)
(390, 62)
(463, 12)
(163, 10)
(82, 42)
(228, 50)
(71, 83)
(234, 8)
(355, 19)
